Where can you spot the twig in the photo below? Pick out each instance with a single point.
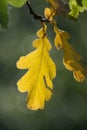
(36, 16)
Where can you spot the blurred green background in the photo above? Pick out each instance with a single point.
(67, 109)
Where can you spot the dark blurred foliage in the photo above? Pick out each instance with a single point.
(67, 110)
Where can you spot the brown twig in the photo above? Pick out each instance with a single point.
(36, 16)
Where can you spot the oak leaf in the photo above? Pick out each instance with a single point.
(41, 70)
(71, 60)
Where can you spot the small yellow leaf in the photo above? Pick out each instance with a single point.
(49, 13)
(41, 70)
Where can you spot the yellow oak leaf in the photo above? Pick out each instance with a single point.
(72, 60)
(41, 70)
